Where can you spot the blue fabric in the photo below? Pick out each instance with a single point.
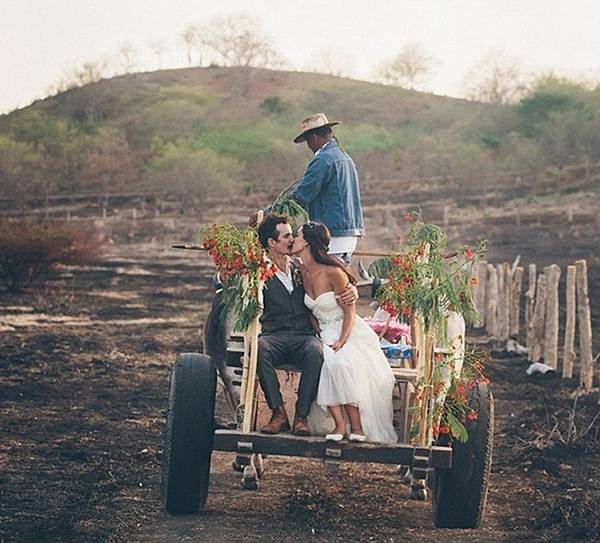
(330, 193)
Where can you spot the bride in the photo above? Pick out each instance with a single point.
(356, 377)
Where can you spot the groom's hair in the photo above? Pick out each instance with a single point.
(267, 229)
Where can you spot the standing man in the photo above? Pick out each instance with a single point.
(329, 190)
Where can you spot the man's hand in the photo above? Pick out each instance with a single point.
(349, 295)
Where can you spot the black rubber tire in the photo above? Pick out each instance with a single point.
(189, 434)
(460, 492)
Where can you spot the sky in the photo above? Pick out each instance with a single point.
(41, 40)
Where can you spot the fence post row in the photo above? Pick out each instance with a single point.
(497, 297)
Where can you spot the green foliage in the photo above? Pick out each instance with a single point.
(273, 105)
(289, 207)
(423, 279)
(192, 173)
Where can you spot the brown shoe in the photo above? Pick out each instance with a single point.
(278, 423)
(300, 427)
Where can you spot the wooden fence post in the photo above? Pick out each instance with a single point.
(530, 293)
(491, 301)
(586, 375)
(569, 347)
(506, 293)
(552, 274)
(500, 306)
(535, 330)
(479, 292)
(515, 308)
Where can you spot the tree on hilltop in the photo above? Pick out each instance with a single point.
(238, 40)
(496, 79)
(407, 68)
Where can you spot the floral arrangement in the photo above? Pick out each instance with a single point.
(424, 279)
(242, 266)
(450, 415)
(425, 282)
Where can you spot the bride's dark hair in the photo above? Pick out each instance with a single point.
(317, 236)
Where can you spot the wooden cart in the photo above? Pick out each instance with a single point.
(457, 473)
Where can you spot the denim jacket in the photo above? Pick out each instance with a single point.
(330, 193)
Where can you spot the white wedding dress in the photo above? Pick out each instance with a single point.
(357, 374)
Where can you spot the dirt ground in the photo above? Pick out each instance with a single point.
(83, 370)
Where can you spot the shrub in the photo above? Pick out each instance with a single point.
(31, 251)
(273, 105)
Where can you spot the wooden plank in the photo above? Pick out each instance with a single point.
(586, 374)
(552, 274)
(405, 374)
(535, 331)
(316, 447)
(569, 345)
(491, 301)
(515, 306)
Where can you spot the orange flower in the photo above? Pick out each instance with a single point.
(472, 415)
(469, 252)
(474, 280)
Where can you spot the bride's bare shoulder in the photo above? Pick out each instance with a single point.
(337, 277)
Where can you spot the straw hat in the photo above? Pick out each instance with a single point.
(310, 123)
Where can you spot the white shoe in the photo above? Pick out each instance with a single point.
(334, 437)
(357, 437)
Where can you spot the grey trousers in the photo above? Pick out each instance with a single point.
(304, 352)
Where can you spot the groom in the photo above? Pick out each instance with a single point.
(287, 336)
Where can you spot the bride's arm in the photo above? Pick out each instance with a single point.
(339, 282)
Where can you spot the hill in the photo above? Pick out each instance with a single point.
(235, 125)
(199, 131)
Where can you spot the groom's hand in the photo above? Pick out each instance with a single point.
(349, 295)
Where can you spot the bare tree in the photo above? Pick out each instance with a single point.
(496, 79)
(407, 67)
(158, 48)
(87, 72)
(238, 40)
(189, 38)
(126, 52)
(332, 61)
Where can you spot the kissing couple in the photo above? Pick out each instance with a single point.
(309, 321)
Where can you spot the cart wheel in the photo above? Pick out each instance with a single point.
(249, 478)
(237, 467)
(189, 434)
(459, 493)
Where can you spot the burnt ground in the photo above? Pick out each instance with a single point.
(84, 365)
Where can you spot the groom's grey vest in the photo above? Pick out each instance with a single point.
(284, 312)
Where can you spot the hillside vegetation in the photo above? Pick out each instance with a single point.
(194, 131)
